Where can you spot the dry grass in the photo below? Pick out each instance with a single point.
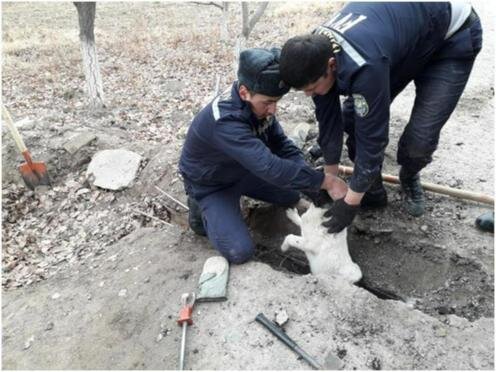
(140, 45)
(34, 31)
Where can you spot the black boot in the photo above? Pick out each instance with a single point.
(414, 198)
(485, 221)
(195, 218)
(375, 197)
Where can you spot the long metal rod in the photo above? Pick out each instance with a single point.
(288, 341)
(307, 357)
(183, 347)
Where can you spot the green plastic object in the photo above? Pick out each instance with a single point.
(485, 221)
(212, 285)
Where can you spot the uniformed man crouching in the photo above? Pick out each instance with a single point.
(235, 146)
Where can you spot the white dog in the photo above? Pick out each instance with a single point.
(327, 253)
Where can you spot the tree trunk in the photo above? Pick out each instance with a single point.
(86, 14)
(248, 23)
(239, 46)
(247, 27)
(223, 28)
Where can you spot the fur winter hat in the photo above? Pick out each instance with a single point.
(259, 71)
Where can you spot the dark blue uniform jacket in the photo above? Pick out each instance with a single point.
(226, 142)
(379, 48)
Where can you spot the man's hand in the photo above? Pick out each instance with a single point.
(342, 215)
(335, 186)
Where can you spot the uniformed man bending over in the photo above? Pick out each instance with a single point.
(235, 146)
(369, 52)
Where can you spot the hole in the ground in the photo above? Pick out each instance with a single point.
(382, 293)
(395, 264)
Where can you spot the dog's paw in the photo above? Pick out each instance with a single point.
(285, 245)
(293, 216)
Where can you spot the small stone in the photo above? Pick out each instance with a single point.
(49, 326)
(444, 310)
(147, 280)
(281, 317)
(376, 364)
(423, 228)
(55, 296)
(159, 337)
(441, 332)
(82, 191)
(123, 293)
(377, 241)
(28, 343)
(79, 141)
(342, 353)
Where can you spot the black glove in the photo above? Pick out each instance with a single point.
(342, 215)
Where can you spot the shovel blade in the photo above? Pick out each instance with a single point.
(34, 174)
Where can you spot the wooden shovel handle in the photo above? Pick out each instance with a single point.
(13, 130)
(463, 194)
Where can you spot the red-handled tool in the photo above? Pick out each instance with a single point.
(33, 173)
(185, 319)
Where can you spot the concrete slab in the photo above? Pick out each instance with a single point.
(114, 169)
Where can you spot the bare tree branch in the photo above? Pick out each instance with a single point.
(220, 6)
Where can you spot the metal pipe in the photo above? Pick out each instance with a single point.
(281, 335)
(183, 347)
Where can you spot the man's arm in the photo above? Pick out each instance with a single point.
(371, 102)
(285, 148)
(331, 129)
(236, 140)
(328, 113)
(282, 146)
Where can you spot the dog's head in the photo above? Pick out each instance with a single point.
(312, 215)
(311, 226)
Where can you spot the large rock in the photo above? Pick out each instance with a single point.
(120, 313)
(114, 169)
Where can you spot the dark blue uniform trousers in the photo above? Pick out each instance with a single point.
(439, 85)
(222, 219)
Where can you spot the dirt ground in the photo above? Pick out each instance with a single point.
(89, 282)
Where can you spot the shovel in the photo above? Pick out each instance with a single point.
(33, 173)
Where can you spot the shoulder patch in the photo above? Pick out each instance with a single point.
(361, 105)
